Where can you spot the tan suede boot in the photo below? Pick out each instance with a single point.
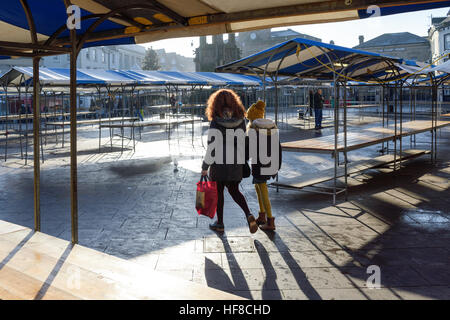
(269, 226)
(252, 226)
(261, 218)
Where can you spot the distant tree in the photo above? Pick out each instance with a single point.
(151, 61)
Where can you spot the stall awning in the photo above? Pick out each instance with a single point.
(19, 76)
(231, 79)
(308, 59)
(426, 69)
(141, 21)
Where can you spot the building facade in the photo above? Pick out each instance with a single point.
(210, 55)
(403, 45)
(171, 61)
(123, 57)
(439, 36)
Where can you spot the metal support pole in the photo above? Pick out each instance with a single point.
(46, 104)
(26, 124)
(6, 122)
(411, 112)
(431, 110)
(382, 113)
(36, 125)
(336, 132)
(388, 112)
(435, 122)
(73, 140)
(41, 141)
(433, 119)
(345, 140)
(415, 104)
(395, 127)
(276, 101)
(401, 125)
(20, 120)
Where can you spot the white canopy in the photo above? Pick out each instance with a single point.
(443, 67)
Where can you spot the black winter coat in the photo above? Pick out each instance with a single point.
(231, 172)
(318, 100)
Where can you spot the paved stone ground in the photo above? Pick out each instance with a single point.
(136, 206)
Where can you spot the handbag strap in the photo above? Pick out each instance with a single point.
(204, 178)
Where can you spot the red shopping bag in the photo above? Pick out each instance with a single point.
(206, 199)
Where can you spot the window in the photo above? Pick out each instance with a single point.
(94, 55)
(447, 41)
(87, 55)
(103, 57)
(113, 58)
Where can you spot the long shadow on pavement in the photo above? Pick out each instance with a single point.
(217, 278)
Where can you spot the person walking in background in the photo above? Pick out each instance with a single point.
(172, 104)
(226, 112)
(263, 129)
(318, 109)
(311, 102)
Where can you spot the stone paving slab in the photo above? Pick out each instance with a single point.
(236, 244)
(424, 293)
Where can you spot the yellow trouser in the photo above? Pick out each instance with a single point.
(263, 198)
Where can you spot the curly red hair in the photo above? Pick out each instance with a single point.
(224, 99)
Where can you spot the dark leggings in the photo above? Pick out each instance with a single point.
(238, 197)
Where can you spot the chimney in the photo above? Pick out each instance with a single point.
(361, 39)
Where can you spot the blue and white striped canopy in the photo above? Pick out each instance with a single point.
(19, 76)
(146, 77)
(308, 59)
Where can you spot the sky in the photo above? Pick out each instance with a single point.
(342, 33)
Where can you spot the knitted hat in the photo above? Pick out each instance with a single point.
(256, 110)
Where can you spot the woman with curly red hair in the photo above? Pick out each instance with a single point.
(226, 113)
